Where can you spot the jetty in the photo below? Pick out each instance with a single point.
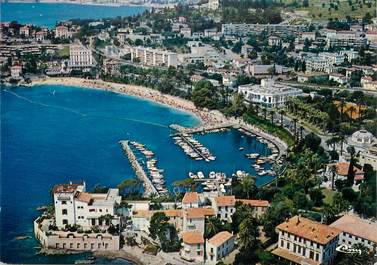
(140, 173)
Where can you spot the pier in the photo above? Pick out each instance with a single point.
(140, 173)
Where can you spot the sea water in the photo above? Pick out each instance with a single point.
(56, 134)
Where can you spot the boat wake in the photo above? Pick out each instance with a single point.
(83, 114)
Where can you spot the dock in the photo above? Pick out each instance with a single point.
(140, 173)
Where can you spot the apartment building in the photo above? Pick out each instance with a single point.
(75, 206)
(80, 57)
(268, 93)
(303, 241)
(346, 38)
(192, 246)
(224, 207)
(246, 29)
(356, 230)
(219, 246)
(154, 57)
(324, 62)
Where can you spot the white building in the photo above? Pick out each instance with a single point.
(224, 207)
(74, 206)
(303, 241)
(213, 4)
(219, 246)
(369, 156)
(339, 78)
(274, 41)
(25, 31)
(268, 93)
(80, 57)
(154, 57)
(264, 69)
(192, 246)
(324, 62)
(345, 38)
(356, 230)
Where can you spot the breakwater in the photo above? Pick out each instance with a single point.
(140, 173)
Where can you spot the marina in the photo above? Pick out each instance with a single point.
(192, 147)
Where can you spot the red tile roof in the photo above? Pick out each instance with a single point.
(192, 237)
(220, 238)
(225, 200)
(190, 197)
(199, 212)
(255, 203)
(309, 229)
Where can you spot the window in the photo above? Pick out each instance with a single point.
(64, 202)
(198, 246)
(70, 245)
(311, 255)
(65, 221)
(316, 256)
(287, 245)
(64, 211)
(282, 243)
(304, 251)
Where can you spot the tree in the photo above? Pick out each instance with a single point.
(98, 188)
(213, 225)
(281, 112)
(157, 224)
(248, 233)
(280, 209)
(247, 185)
(130, 186)
(204, 95)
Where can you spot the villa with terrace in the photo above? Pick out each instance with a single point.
(81, 221)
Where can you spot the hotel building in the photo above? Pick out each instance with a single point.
(154, 57)
(80, 57)
(356, 230)
(303, 241)
(246, 29)
(268, 93)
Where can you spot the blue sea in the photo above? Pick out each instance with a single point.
(52, 137)
(48, 14)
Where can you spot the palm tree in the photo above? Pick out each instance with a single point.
(341, 140)
(333, 171)
(342, 105)
(247, 184)
(248, 233)
(212, 226)
(294, 126)
(332, 141)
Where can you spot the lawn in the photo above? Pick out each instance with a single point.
(64, 53)
(329, 194)
(323, 9)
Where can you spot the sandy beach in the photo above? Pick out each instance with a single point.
(206, 117)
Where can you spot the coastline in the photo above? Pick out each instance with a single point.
(90, 3)
(204, 116)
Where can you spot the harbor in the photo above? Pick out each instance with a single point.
(192, 147)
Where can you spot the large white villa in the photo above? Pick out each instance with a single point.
(81, 220)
